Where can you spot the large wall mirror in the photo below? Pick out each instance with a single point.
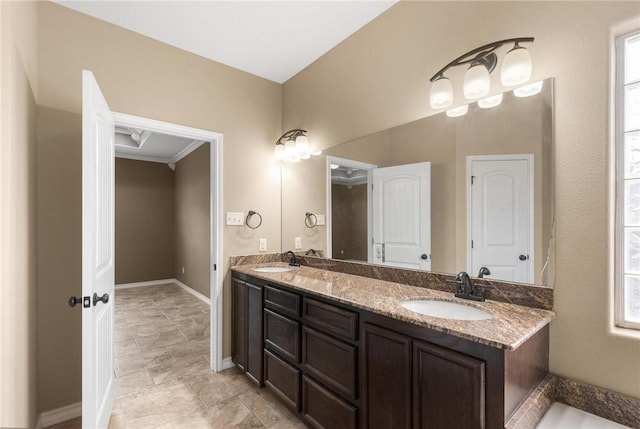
(442, 193)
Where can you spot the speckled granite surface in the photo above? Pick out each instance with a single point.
(601, 402)
(264, 258)
(514, 293)
(510, 326)
(535, 406)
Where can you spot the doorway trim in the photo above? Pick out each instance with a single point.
(215, 139)
(511, 157)
(329, 221)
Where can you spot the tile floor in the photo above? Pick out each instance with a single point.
(162, 370)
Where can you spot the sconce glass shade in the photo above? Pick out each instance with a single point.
(279, 152)
(441, 95)
(516, 67)
(476, 82)
(458, 111)
(289, 149)
(302, 145)
(489, 102)
(528, 90)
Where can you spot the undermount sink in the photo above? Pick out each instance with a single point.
(445, 309)
(272, 269)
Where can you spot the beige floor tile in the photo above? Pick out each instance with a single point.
(133, 382)
(126, 347)
(158, 341)
(139, 361)
(160, 404)
(179, 368)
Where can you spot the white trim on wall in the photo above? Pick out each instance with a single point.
(227, 363)
(192, 291)
(142, 284)
(216, 251)
(59, 415)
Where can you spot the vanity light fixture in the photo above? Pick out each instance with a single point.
(528, 90)
(489, 102)
(516, 69)
(293, 146)
(458, 111)
(334, 166)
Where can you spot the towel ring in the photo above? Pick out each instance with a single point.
(249, 216)
(310, 220)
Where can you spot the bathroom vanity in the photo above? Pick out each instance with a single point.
(342, 352)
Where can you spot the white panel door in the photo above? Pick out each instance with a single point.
(98, 381)
(501, 217)
(402, 216)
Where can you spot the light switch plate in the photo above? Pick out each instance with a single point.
(298, 242)
(263, 245)
(321, 219)
(235, 218)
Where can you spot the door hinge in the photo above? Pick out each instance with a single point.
(472, 177)
(215, 267)
(472, 244)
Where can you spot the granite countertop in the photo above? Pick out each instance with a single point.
(510, 326)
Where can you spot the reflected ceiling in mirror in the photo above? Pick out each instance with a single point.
(517, 126)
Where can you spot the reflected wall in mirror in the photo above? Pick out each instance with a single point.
(519, 128)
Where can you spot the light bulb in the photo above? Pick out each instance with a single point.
(334, 166)
(528, 90)
(493, 101)
(516, 67)
(279, 152)
(476, 82)
(458, 111)
(441, 95)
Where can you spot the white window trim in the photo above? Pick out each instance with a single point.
(618, 201)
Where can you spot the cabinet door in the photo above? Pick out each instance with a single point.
(254, 334)
(239, 325)
(386, 379)
(448, 389)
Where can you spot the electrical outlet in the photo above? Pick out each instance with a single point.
(263, 244)
(235, 218)
(298, 241)
(321, 219)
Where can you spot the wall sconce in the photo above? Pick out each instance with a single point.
(293, 146)
(515, 70)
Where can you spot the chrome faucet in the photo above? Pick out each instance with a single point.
(293, 261)
(465, 288)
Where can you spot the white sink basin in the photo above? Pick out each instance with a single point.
(272, 269)
(446, 310)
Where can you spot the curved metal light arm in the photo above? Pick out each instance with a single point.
(483, 55)
(291, 135)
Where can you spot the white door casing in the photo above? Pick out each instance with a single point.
(500, 216)
(98, 380)
(402, 216)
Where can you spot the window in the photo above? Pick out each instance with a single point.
(628, 167)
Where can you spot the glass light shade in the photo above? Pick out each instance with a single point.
(489, 102)
(516, 67)
(302, 145)
(458, 111)
(289, 148)
(334, 166)
(441, 95)
(304, 155)
(279, 152)
(528, 90)
(476, 82)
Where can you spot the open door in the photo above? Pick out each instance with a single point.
(402, 216)
(98, 381)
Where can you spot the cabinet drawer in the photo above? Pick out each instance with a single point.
(283, 379)
(322, 409)
(282, 335)
(337, 321)
(284, 302)
(331, 361)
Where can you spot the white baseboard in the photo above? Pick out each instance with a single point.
(164, 282)
(53, 417)
(141, 284)
(227, 363)
(192, 291)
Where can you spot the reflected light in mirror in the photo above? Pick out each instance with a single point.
(476, 82)
(441, 93)
(334, 166)
(528, 90)
(489, 102)
(458, 111)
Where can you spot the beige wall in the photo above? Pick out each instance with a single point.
(142, 77)
(145, 221)
(377, 79)
(18, 295)
(193, 222)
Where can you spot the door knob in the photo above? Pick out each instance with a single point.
(73, 300)
(424, 256)
(104, 298)
(523, 257)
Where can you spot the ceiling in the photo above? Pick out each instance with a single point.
(271, 39)
(143, 145)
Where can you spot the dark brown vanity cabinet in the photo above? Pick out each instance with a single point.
(341, 367)
(247, 329)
